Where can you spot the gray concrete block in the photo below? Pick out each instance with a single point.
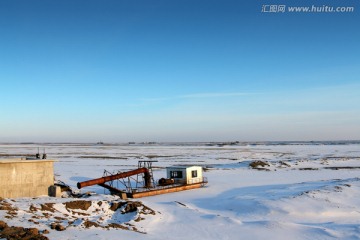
(55, 191)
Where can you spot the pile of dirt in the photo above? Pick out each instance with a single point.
(14, 233)
(88, 224)
(59, 216)
(57, 226)
(47, 207)
(116, 205)
(81, 204)
(132, 207)
(258, 164)
(5, 206)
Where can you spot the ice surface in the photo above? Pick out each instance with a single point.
(308, 191)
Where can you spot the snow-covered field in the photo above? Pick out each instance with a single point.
(307, 191)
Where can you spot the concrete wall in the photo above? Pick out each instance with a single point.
(25, 178)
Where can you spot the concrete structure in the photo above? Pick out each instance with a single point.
(55, 191)
(185, 174)
(25, 178)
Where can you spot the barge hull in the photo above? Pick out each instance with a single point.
(166, 190)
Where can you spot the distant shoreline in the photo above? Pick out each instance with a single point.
(215, 143)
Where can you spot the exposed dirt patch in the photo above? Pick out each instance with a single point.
(47, 207)
(89, 224)
(116, 205)
(58, 216)
(33, 221)
(7, 206)
(83, 205)
(14, 233)
(131, 207)
(258, 164)
(33, 208)
(139, 219)
(80, 213)
(146, 210)
(3, 225)
(57, 227)
(116, 225)
(11, 210)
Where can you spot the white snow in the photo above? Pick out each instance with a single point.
(309, 191)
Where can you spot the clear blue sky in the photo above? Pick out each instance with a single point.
(177, 70)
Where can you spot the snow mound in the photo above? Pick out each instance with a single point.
(62, 214)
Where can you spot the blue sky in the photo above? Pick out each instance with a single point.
(179, 70)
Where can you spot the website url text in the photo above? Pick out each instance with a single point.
(312, 9)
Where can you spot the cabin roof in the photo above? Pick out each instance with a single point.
(182, 167)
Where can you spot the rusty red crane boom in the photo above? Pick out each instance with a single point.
(102, 180)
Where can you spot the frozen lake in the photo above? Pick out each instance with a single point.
(306, 190)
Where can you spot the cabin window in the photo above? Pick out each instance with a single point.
(194, 174)
(176, 174)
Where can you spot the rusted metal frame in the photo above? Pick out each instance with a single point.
(137, 182)
(110, 188)
(112, 177)
(123, 182)
(127, 183)
(110, 183)
(137, 179)
(148, 165)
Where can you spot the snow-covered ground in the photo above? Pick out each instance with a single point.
(306, 192)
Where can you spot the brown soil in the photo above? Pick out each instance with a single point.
(256, 164)
(83, 205)
(116, 225)
(7, 206)
(131, 207)
(139, 219)
(116, 205)
(146, 210)
(48, 207)
(57, 227)
(47, 210)
(15, 233)
(80, 213)
(89, 224)
(33, 208)
(11, 211)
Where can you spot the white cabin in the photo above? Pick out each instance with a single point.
(185, 174)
